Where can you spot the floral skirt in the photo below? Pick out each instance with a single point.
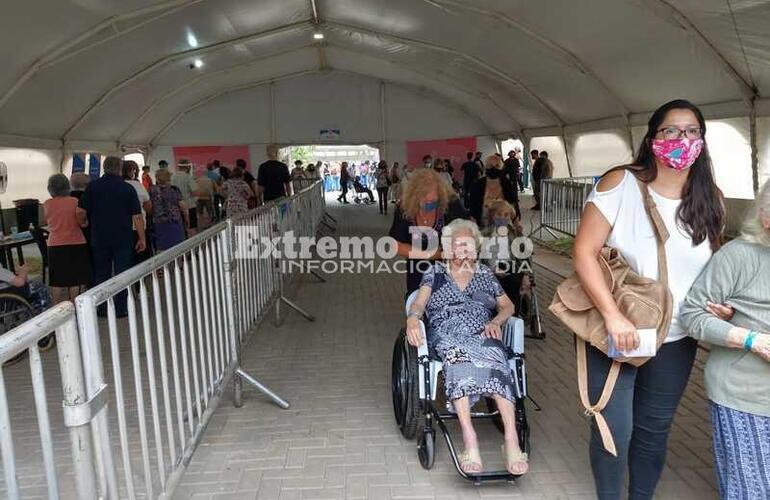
(474, 366)
(741, 452)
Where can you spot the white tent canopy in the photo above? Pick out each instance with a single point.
(112, 75)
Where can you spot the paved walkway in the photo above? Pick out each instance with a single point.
(339, 440)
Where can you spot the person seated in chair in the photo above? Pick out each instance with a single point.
(503, 228)
(459, 297)
(360, 188)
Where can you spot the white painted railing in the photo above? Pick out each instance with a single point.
(158, 375)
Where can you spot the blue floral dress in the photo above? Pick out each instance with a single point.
(474, 365)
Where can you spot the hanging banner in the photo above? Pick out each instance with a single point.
(94, 165)
(200, 156)
(78, 163)
(454, 150)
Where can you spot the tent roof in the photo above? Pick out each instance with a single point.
(119, 70)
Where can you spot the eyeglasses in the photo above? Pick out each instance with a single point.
(678, 133)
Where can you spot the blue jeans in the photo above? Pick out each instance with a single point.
(110, 260)
(639, 415)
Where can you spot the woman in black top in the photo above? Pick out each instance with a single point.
(493, 186)
(429, 203)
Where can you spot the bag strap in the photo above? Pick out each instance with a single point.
(659, 228)
(604, 398)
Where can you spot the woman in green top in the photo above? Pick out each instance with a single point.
(738, 368)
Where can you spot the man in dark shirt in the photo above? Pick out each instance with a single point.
(543, 169)
(471, 173)
(512, 170)
(111, 208)
(273, 178)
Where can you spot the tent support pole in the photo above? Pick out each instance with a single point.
(272, 113)
(566, 151)
(753, 143)
(383, 123)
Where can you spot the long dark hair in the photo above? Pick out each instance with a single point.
(702, 211)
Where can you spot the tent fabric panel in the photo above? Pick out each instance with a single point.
(557, 153)
(28, 172)
(162, 115)
(136, 98)
(594, 153)
(236, 118)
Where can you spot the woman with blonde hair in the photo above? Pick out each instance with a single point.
(429, 204)
(493, 186)
(738, 367)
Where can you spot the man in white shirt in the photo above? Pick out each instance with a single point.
(184, 182)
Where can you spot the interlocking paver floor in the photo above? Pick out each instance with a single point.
(339, 440)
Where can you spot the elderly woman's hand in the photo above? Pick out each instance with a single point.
(721, 311)
(761, 346)
(492, 330)
(413, 333)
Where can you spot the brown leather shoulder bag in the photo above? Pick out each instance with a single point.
(645, 302)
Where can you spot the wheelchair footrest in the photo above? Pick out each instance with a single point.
(500, 475)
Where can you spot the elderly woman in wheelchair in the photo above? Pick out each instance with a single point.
(459, 297)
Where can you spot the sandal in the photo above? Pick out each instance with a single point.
(470, 461)
(516, 461)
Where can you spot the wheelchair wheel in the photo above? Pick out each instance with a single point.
(14, 310)
(426, 449)
(404, 381)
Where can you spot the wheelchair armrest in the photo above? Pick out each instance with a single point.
(513, 334)
(422, 350)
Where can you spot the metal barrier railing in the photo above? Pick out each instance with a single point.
(189, 310)
(76, 413)
(561, 204)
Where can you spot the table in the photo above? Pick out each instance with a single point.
(7, 245)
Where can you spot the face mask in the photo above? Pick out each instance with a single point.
(430, 206)
(501, 221)
(493, 173)
(678, 154)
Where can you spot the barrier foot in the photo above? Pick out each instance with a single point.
(297, 308)
(278, 400)
(285, 300)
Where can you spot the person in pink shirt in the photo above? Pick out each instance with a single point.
(69, 260)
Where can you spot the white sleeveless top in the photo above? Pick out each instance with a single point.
(633, 235)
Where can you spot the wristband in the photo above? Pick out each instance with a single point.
(748, 343)
(414, 314)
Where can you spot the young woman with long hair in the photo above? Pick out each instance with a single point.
(673, 161)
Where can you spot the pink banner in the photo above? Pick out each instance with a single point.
(201, 156)
(452, 149)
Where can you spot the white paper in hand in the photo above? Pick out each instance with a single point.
(648, 340)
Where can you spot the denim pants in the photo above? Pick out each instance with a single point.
(639, 414)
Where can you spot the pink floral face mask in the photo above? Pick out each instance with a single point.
(678, 154)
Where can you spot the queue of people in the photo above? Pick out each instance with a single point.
(720, 295)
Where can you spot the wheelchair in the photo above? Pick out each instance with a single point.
(361, 193)
(18, 305)
(414, 380)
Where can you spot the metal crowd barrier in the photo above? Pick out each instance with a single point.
(60, 319)
(562, 203)
(189, 311)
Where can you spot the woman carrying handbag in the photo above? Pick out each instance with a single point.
(647, 231)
